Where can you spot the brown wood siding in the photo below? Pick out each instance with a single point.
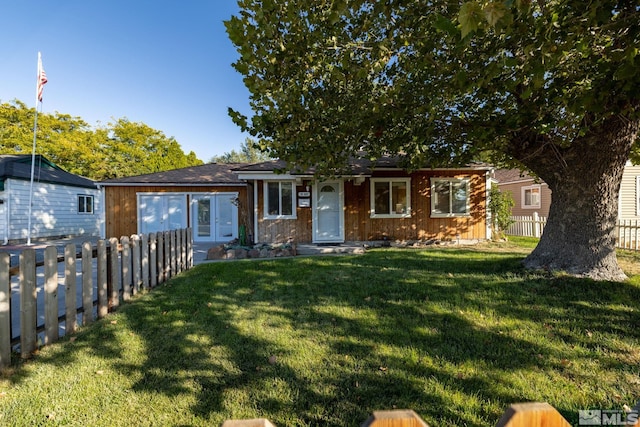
(359, 226)
(121, 210)
(283, 230)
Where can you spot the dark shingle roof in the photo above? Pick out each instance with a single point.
(504, 176)
(18, 166)
(207, 174)
(358, 166)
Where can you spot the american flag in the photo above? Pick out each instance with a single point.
(42, 78)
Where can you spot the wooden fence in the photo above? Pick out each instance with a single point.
(534, 414)
(111, 272)
(627, 230)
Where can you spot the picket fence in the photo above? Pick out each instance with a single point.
(111, 272)
(530, 414)
(627, 230)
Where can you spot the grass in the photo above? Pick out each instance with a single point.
(457, 334)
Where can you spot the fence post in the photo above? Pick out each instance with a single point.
(135, 265)
(183, 233)
(178, 251)
(536, 225)
(167, 255)
(533, 414)
(28, 315)
(160, 256)
(50, 294)
(114, 273)
(126, 268)
(153, 261)
(144, 260)
(71, 289)
(189, 247)
(103, 299)
(87, 283)
(5, 310)
(396, 418)
(174, 252)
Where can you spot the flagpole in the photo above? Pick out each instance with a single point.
(33, 150)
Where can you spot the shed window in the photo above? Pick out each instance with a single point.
(279, 199)
(390, 197)
(85, 204)
(449, 197)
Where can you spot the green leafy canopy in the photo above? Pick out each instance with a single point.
(438, 81)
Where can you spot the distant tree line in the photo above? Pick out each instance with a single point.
(118, 149)
(250, 152)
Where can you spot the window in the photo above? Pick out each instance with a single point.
(449, 197)
(85, 204)
(390, 197)
(531, 197)
(279, 199)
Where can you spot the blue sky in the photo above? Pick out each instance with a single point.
(164, 63)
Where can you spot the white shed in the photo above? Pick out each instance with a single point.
(63, 204)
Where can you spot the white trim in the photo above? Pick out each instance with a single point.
(265, 199)
(255, 211)
(467, 182)
(523, 191)
(393, 214)
(488, 217)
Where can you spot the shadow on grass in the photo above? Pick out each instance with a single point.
(326, 341)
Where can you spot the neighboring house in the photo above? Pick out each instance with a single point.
(209, 198)
(530, 195)
(374, 201)
(629, 198)
(63, 204)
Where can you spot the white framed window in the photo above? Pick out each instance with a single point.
(390, 197)
(449, 197)
(85, 204)
(279, 199)
(531, 197)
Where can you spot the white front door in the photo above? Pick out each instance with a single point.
(328, 215)
(214, 217)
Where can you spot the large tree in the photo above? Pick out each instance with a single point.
(551, 86)
(121, 148)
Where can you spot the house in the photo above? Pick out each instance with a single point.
(530, 194)
(63, 204)
(209, 198)
(372, 201)
(533, 195)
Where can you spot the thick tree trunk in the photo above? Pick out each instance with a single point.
(584, 179)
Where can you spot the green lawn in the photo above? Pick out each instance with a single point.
(457, 334)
